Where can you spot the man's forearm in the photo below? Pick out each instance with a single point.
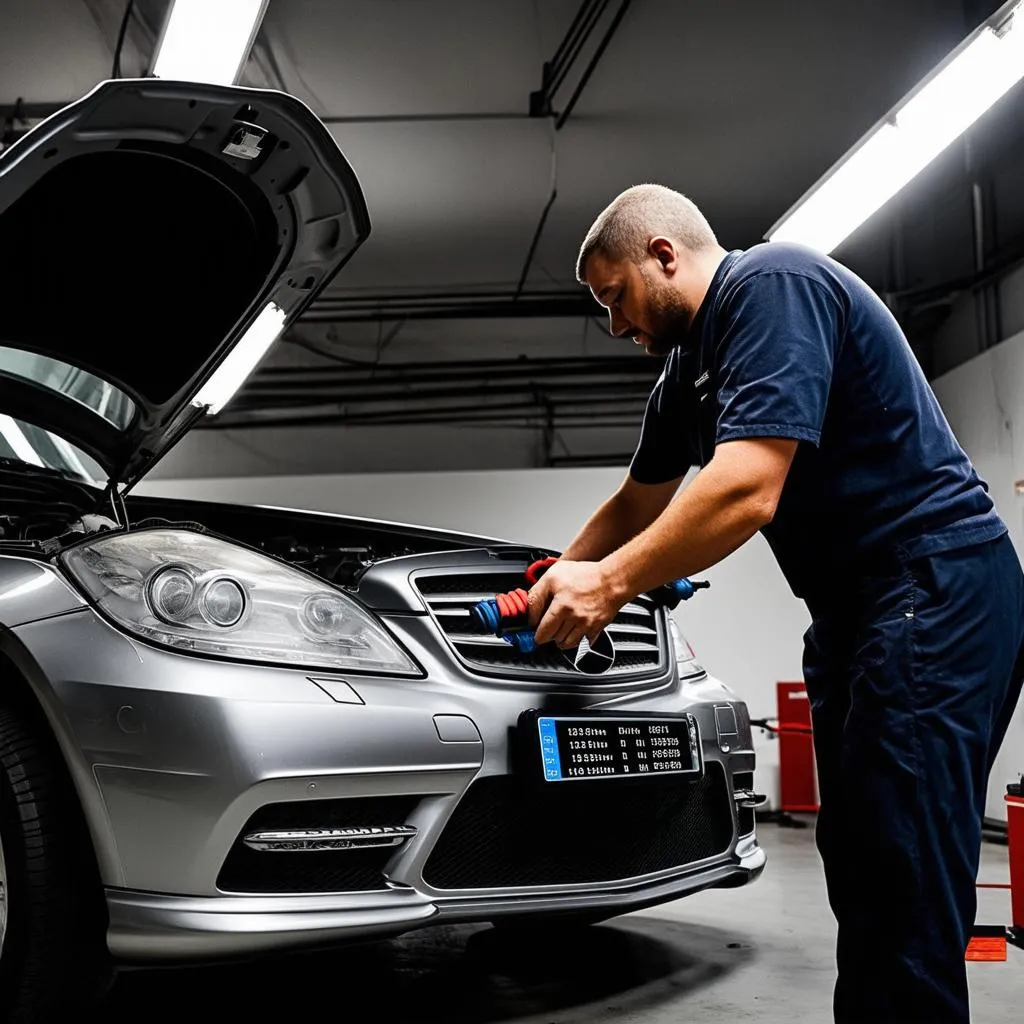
(714, 516)
(607, 529)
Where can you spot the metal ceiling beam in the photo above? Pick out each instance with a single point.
(602, 46)
(555, 71)
(466, 370)
(537, 419)
(412, 410)
(569, 304)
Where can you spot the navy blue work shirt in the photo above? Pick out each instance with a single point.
(789, 343)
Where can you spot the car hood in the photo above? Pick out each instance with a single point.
(143, 231)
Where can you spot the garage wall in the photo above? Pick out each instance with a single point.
(960, 337)
(271, 451)
(984, 402)
(746, 629)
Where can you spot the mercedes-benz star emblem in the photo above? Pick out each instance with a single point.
(592, 659)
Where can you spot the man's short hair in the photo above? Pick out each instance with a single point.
(626, 226)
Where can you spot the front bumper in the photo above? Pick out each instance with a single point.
(173, 755)
(147, 928)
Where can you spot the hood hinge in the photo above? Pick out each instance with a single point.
(117, 506)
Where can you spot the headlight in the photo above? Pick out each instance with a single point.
(686, 660)
(201, 594)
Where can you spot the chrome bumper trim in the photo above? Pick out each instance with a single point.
(312, 840)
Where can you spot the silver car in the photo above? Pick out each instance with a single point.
(227, 730)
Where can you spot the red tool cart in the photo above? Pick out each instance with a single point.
(798, 777)
(798, 781)
(988, 942)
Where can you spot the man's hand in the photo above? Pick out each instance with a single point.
(572, 600)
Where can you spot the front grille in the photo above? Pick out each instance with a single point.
(636, 630)
(506, 832)
(254, 871)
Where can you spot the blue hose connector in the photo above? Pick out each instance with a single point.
(523, 641)
(487, 614)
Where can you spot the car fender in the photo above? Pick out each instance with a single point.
(13, 650)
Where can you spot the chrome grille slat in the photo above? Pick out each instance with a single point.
(641, 647)
(480, 639)
(636, 609)
(456, 600)
(627, 628)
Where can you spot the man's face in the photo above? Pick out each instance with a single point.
(642, 302)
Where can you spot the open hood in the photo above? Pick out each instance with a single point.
(143, 231)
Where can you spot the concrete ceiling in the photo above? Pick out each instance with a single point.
(742, 105)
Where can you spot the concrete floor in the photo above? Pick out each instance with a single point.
(680, 962)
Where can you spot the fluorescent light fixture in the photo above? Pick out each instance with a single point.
(207, 40)
(19, 443)
(981, 70)
(241, 360)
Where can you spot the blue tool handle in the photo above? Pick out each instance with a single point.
(678, 590)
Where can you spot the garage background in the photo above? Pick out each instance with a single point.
(454, 374)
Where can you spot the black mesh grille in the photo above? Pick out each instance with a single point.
(636, 632)
(505, 832)
(256, 871)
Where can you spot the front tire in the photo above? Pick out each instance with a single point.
(52, 918)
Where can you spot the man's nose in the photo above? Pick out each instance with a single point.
(618, 324)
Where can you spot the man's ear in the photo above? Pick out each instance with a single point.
(664, 251)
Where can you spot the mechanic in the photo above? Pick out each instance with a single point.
(791, 386)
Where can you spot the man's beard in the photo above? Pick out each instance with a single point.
(668, 315)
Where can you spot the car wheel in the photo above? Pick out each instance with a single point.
(52, 917)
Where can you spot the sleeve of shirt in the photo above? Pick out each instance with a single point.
(776, 358)
(663, 451)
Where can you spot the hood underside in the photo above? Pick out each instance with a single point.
(144, 230)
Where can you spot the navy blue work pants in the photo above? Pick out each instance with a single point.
(913, 674)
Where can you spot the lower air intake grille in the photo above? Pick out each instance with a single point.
(506, 833)
(640, 648)
(254, 871)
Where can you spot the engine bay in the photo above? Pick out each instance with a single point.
(43, 512)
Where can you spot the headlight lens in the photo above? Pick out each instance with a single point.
(223, 602)
(201, 594)
(172, 593)
(686, 660)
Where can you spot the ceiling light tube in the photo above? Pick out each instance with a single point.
(207, 40)
(241, 360)
(944, 105)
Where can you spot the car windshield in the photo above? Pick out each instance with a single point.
(37, 447)
(85, 388)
